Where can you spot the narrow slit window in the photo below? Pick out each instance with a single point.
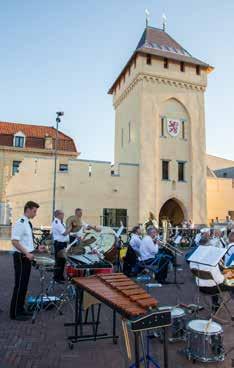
(162, 126)
(148, 59)
(182, 67)
(122, 137)
(198, 70)
(129, 131)
(183, 129)
(166, 63)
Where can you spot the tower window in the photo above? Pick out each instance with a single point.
(129, 70)
(129, 131)
(166, 63)
(198, 70)
(182, 67)
(148, 59)
(63, 168)
(183, 129)
(181, 166)
(134, 63)
(165, 170)
(19, 140)
(162, 127)
(122, 137)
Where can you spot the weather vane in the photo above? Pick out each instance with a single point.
(147, 17)
(164, 19)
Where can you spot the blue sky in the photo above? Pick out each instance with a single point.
(65, 54)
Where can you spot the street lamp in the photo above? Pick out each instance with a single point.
(58, 120)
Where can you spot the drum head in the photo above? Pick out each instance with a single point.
(105, 239)
(44, 261)
(204, 326)
(177, 312)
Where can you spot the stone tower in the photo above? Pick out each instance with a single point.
(160, 125)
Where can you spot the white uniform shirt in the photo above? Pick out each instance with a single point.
(230, 252)
(215, 242)
(215, 271)
(22, 232)
(147, 248)
(58, 229)
(135, 242)
(197, 238)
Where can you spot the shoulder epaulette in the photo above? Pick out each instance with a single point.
(56, 221)
(22, 220)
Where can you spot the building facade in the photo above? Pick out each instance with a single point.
(160, 154)
(19, 141)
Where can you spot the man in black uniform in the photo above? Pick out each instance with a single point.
(22, 241)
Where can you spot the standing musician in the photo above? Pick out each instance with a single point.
(77, 224)
(23, 247)
(61, 238)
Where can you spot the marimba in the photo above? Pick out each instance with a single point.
(128, 299)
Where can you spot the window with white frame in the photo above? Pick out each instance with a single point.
(19, 140)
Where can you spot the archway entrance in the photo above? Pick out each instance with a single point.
(172, 211)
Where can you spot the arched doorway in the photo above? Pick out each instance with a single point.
(172, 211)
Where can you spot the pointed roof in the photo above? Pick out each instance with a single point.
(155, 41)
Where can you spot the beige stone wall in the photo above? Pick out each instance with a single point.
(145, 96)
(220, 197)
(75, 189)
(10, 154)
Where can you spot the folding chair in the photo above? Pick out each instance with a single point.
(207, 275)
(153, 267)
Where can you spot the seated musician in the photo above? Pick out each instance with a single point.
(229, 258)
(78, 225)
(149, 249)
(130, 266)
(217, 239)
(61, 238)
(210, 286)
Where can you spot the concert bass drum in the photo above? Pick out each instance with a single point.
(104, 243)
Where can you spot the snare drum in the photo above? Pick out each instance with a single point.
(178, 326)
(43, 261)
(205, 341)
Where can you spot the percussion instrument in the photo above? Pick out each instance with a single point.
(88, 262)
(133, 303)
(205, 341)
(44, 261)
(176, 332)
(104, 243)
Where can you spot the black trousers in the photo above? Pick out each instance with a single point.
(22, 267)
(60, 261)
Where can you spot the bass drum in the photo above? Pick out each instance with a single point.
(104, 243)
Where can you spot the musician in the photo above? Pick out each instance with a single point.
(229, 258)
(217, 239)
(77, 224)
(61, 238)
(149, 249)
(130, 261)
(210, 286)
(23, 247)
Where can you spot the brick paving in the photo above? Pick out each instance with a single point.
(44, 344)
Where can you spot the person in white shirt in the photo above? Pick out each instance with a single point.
(210, 286)
(149, 249)
(23, 247)
(135, 239)
(61, 238)
(229, 258)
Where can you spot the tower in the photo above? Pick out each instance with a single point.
(160, 125)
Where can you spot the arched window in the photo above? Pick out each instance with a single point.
(19, 140)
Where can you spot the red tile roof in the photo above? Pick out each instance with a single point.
(35, 135)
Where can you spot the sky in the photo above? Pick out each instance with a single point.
(65, 54)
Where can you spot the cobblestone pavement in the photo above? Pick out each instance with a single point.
(44, 344)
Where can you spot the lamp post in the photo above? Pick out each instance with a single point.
(58, 120)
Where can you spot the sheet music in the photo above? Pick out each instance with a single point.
(207, 255)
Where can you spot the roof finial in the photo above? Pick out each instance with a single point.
(147, 17)
(164, 19)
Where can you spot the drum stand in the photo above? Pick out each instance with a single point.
(147, 359)
(43, 297)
